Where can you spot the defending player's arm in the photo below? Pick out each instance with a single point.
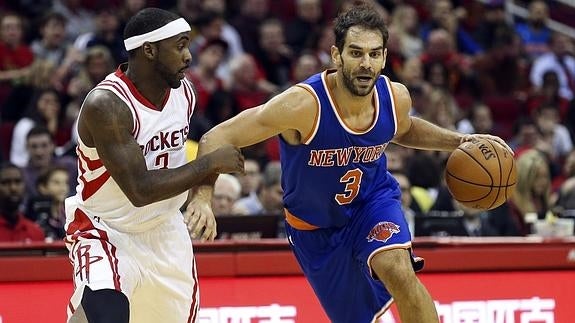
(417, 133)
(291, 113)
(106, 124)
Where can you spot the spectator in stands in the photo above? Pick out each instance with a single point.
(567, 173)
(16, 58)
(220, 107)
(51, 47)
(440, 53)
(248, 87)
(527, 135)
(45, 110)
(494, 23)
(444, 17)
(14, 226)
(268, 199)
(40, 146)
(203, 74)
(479, 120)
(226, 192)
(321, 45)
(534, 32)
(107, 33)
(500, 69)
(394, 58)
(304, 66)
(251, 179)
(247, 23)
(229, 34)
(422, 170)
(80, 20)
(96, 64)
(476, 222)
(47, 208)
(129, 8)
(564, 185)
(306, 23)
(548, 94)
(411, 74)
(273, 55)
(561, 61)
(406, 200)
(530, 200)
(208, 26)
(443, 109)
(405, 24)
(553, 132)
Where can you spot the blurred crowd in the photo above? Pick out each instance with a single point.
(469, 65)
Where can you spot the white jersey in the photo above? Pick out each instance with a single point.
(161, 135)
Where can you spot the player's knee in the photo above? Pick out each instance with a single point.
(394, 269)
(105, 306)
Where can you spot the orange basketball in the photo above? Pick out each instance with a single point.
(481, 174)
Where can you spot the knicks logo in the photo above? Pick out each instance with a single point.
(382, 231)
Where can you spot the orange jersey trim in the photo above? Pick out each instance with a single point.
(298, 223)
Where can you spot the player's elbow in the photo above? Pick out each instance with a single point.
(212, 139)
(139, 197)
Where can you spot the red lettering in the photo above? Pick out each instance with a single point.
(315, 157)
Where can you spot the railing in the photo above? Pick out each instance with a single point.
(513, 9)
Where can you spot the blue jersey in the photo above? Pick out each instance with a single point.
(334, 172)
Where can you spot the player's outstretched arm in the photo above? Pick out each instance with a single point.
(417, 133)
(291, 114)
(105, 123)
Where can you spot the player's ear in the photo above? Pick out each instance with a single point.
(150, 50)
(335, 56)
(384, 58)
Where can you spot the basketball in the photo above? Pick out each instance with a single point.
(481, 174)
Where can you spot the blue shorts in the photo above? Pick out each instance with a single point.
(336, 260)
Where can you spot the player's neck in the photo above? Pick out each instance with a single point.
(150, 86)
(347, 101)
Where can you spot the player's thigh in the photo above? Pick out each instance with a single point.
(100, 264)
(169, 292)
(339, 281)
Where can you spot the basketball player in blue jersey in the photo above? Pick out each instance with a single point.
(343, 209)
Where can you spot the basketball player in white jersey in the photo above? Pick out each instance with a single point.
(128, 242)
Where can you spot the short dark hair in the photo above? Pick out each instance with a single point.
(38, 131)
(45, 176)
(363, 16)
(146, 20)
(8, 165)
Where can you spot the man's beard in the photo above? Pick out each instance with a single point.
(168, 76)
(348, 82)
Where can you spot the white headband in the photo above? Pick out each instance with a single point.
(166, 31)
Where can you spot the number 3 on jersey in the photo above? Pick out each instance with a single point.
(353, 182)
(162, 160)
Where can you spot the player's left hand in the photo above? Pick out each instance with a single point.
(498, 140)
(200, 220)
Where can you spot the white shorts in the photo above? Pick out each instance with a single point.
(154, 269)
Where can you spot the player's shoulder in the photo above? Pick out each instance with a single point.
(103, 103)
(297, 96)
(400, 94)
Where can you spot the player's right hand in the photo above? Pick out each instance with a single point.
(200, 220)
(227, 159)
